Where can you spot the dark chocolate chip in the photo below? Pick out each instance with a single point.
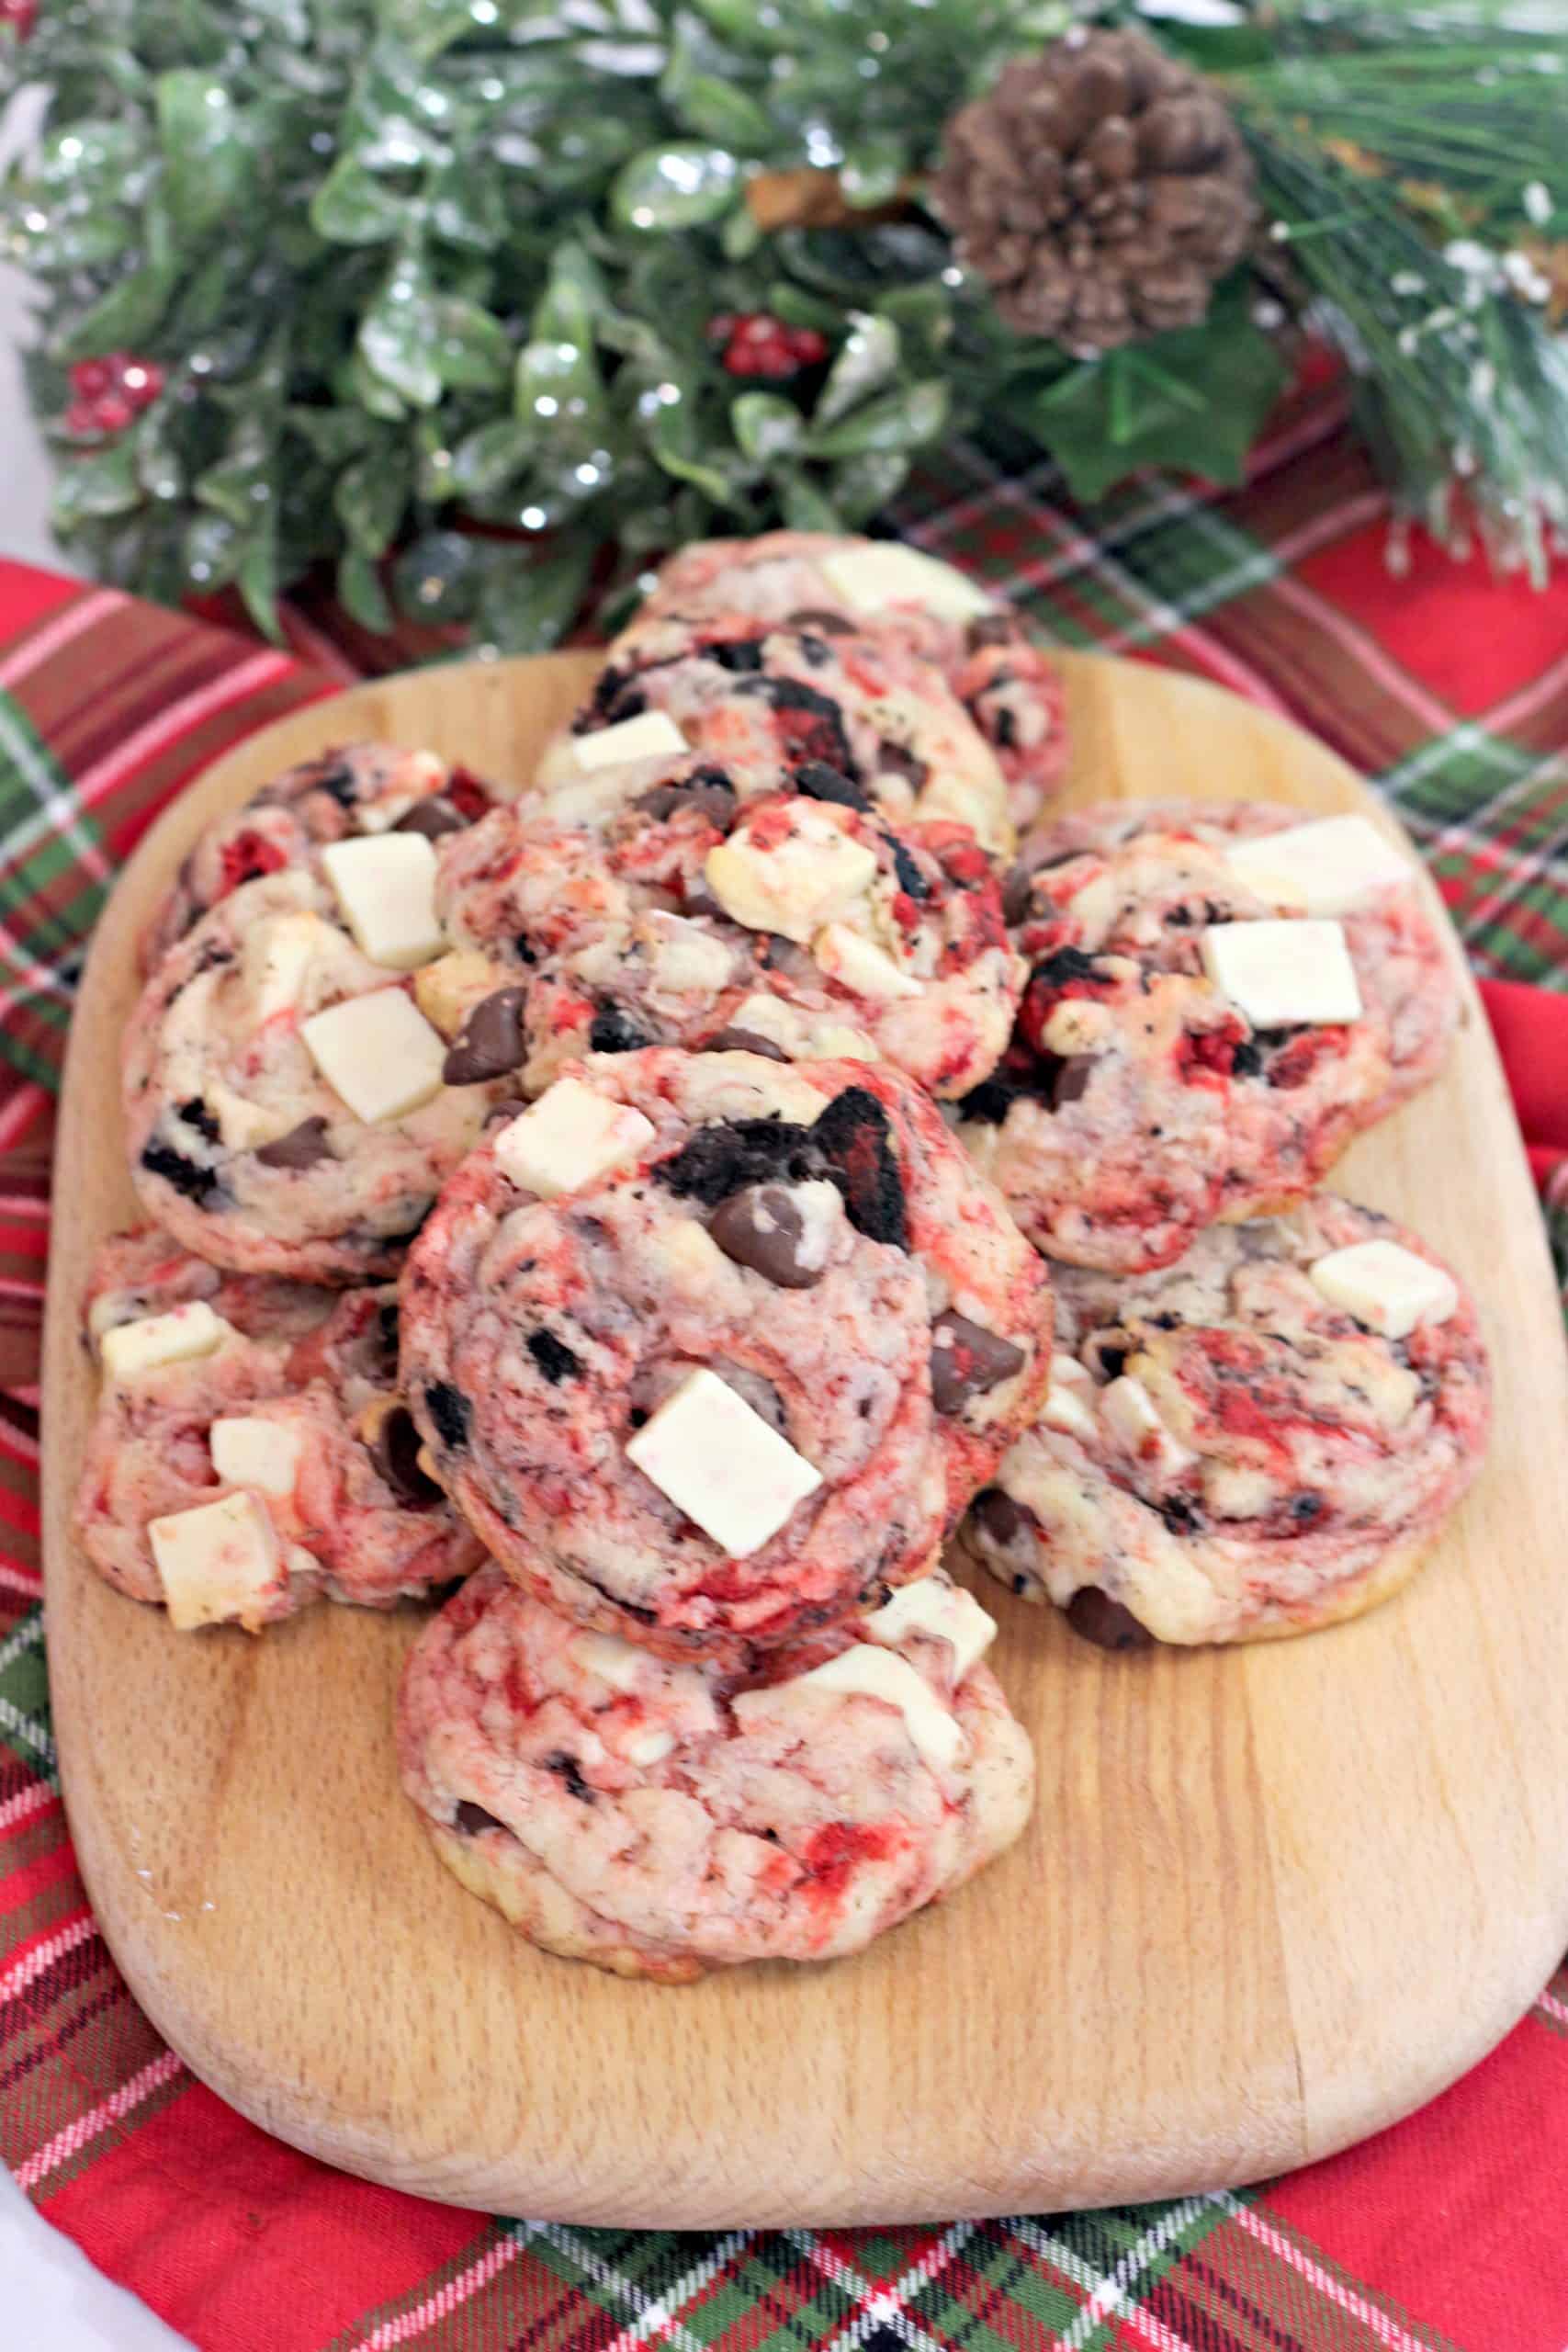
(1004, 723)
(997, 1516)
(741, 656)
(522, 950)
(910, 878)
(302, 1147)
(990, 628)
(449, 1410)
(990, 1100)
(854, 1136)
(967, 1360)
(1017, 891)
(195, 1114)
(817, 781)
(762, 1227)
(471, 1819)
(1104, 1621)
(745, 1041)
(490, 1042)
(1063, 964)
(566, 1766)
(431, 817)
(395, 1454)
(554, 1358)
(614, 1033)
(709, 794)
(162, 1159)
(615, 697)
(780, 954)
(1071, 1081)
(337, 781)
(826, 624)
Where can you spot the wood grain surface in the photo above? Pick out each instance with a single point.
(1271, 1898)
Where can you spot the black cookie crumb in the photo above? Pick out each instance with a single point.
(554, 1358)
(450, 1410)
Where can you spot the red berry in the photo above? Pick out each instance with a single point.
(810, 347)
(113, 412)
(21, 14)
(89, 377)
(758, 328)
(81, 417)
(141, 380)
(722, 326)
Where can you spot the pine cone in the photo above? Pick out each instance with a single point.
(1101, 190)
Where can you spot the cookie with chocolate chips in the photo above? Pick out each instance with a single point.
(708, 1348)
(1260, 1438)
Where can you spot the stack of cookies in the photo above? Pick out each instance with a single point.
(676, 1194)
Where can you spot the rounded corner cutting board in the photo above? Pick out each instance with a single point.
(1270, 1898)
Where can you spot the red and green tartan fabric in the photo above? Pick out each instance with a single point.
(1441, 2235)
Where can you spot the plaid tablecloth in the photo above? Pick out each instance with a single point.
(1445, 2233)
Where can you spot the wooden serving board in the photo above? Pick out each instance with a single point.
(1271, 1898)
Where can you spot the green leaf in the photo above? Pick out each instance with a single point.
(867, 358)
(127, 316)
(378, 399)
(333, 435)
(906, 418)
(529, 601)
(238, 487)
(862, 486)
(473, 350)
(796, 308)
(360, 592)
(555, 381)
(490, 457)
(576, 297)
(436, 579)
(92, 154)
(766, 425)
(369, 498)
(806, 507)
(158, 466)
(214, 549)
(872, 170)
(258, 580)
(351, 206)
(101, 482)
(207, 157)
(715, 109)
(674, 187)
(399, 335)
(465, 204)
(1193, 400)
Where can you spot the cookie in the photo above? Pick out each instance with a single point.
(356, 789)
(800, 923)
(1260, 1438)
(764, 703)
(1192, 1047)
(249, 1453)
(662, 1820)
(708, 1348)
(835, 586)
(286, 1105)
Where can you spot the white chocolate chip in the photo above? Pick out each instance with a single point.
(941, 1611)
(1329, 867)
(385, 884)
(722, 1465)
(249, 1451)
(1129, 1413)
(803, 873)
(1385, 1286)
(869, 579)
(379, 1052)
(217, 1563)
(570, 1136)
(867, 1673)
(153, 1341)
(650, 735)
(858, 964)
(1281, 973)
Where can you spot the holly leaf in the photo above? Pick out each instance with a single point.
(351, 206)
(369, 498)
(360, 592)
(905, 419)
(674, 187)
(473, 350)
(1192, 400)
(399, 336)
(207, 156)
(102, 483)
(492, 455)
(766, 425)
(868, 358)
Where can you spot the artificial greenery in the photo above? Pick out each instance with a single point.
(390, 274)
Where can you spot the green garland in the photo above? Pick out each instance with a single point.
(388, 270)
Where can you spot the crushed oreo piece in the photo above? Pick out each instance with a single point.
(554, 1358)
(337, 782)
(450, 1411)
(1307, 1506)
(614, 1033)
(848, 1144)
(195, 1114)
(826, 624)
(433, 817)
(854, 1136)
(1181, 1516)
(1062, 965)
(567, 1767)
(910, 878)
(815, 781)
(811, 725)
(741, 656)
(163, 1159)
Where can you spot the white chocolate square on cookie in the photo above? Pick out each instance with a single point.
(1330, 866)
(385, 885)
(652, 734)
(793, 872)
(722, 1465)
(379, 1052)
(870, 578)
(218, 1564)
(176, 1337)
(1385, 1286)
(569, 1137)
(1282, 973)
(940, 1611)
(869, 1673)
(249, 1451)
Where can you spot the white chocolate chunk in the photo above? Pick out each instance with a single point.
(650, 735)
(248, 1451)
(1066, 1412)
(686, 959)
(857, 963)
(944, 1613)
(570, 1136)
(277, 959)
(868, 1672)
(650, 1746)
(722, 1463)
(1130, 1413)
(385, 887)
(379, 1052)
(1329, 867)
(1280, 973)
(1386, 1287)
(156, 1340)
(868, 579)
(217, 1563)
(792, 882)
(618, 1663)
(447, 992)
(805, 1036)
